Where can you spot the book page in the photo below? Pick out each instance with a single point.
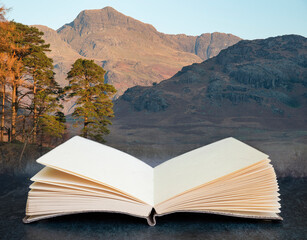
(202, 165)
(101, 163)
(58, 178)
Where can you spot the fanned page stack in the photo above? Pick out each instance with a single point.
(227, 177)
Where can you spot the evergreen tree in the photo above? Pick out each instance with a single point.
(93, 105)
(10, 66)
(26, 70)
(4, 69)
(41, 81)
(17, 49)
(39, 76)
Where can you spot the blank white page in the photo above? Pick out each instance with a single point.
(80, 156)
(202, 165)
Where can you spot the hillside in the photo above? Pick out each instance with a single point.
(259, 78)
(132, 52)
(254, 90)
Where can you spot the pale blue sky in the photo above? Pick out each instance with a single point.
(249, 19)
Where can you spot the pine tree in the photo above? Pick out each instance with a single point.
(41, 81)
(4, 25)
(41, 87)
(93, 105)
(27, 72)
(16, 49)
(7, 65)
(3, 92)
(39, 77)
(10, 65)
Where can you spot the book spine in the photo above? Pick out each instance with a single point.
(151, 219)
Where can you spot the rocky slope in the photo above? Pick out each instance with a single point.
(132, 52)
(254, 90)
(260, 78)
(62, 53)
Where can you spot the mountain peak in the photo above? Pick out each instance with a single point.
(97, 19)
(104, 10)
(109, 9)
(133, 52)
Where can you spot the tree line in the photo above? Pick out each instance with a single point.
(31, 99)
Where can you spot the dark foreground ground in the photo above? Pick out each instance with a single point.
(13, 194)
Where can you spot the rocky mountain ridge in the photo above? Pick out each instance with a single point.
(132, 52)
(270, 74)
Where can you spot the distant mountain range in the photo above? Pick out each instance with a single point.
(132, 52)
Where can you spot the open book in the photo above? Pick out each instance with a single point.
(227, 177)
